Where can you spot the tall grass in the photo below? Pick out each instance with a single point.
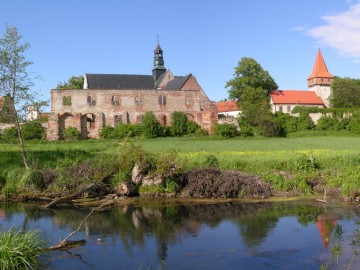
(20, 250)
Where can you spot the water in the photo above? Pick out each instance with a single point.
(282, 235)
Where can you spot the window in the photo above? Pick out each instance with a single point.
(139, 100)
(67, 101)
(90, 119)
(115, 100)
(91, 101)
(280, 108)
(162, 100)
(289, 108)
(117, 120)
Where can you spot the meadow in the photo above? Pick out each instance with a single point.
(287, 163)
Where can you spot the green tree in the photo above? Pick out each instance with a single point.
(74, 82)
(251, 86)
(250, 81)
(150, 125)
(345, 93)
(15, 81)
(179, 123)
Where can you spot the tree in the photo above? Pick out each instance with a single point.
(345, 93)
(15, 82)
(74, 82)
(250, 81)
(251, 86)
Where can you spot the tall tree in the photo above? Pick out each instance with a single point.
(250, 82)
(15, 81)
(74, 82)
(345, 93)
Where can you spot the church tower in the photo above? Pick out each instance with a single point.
(320, 79)
(159, 68)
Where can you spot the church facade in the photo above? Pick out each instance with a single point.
(111, 99)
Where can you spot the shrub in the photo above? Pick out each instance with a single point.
(270, 128)
(127, 130)
(179, 123)
(211, 161)
(328, 123)
(20, 249)
(225, 130)
(150, 126)
(192, 127)
(306, 163)
(71, 134)
(354, 125)
(304, 123)
(10, 134)
(33, 130)
(107, 132)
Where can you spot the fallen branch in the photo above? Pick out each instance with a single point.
(324, 200)
(88, 188)
(65, 244)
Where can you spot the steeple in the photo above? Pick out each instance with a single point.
(320, 80)
(159, 68)
(320, 74)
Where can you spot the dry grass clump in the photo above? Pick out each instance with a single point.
(215, 183)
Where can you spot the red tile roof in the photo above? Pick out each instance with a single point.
(296, 97)
(320, 70)
(226, 106)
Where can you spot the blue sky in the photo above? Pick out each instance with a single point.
(204, 37)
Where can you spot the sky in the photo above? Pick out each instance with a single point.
(206, 38)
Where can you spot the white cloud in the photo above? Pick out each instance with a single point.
(341, 32)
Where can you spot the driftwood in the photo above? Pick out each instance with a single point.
(87, 189)
(324, 200)
(66, 244)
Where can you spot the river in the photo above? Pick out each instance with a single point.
(301, 234)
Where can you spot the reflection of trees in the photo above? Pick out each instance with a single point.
(255, 227)
(166, 224)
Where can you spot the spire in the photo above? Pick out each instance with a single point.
(320, 73)
(159, 68)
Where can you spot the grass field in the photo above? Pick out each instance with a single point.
(336, 158)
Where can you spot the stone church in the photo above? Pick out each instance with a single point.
(111, 99)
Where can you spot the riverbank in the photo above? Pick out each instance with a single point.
(290, 166)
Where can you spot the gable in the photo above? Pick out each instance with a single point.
(190, 84)
(295, 97)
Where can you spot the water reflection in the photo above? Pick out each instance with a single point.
(200, 236)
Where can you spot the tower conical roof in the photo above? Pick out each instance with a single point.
(320, 70)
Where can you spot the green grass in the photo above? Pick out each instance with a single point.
(20, 250)
(337, 158)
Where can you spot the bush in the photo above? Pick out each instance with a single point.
(10, 134)
(127, 130)
(179, 123)
(354, 125)
(271, 128)
(328, 123)
(150, 126)
(107, 132)
(225, 130)
(20, 249)
(192, 127)
(71, 134)
(306, 163)
(33, 130)
(211, 161)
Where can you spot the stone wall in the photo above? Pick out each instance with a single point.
(89, 110)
